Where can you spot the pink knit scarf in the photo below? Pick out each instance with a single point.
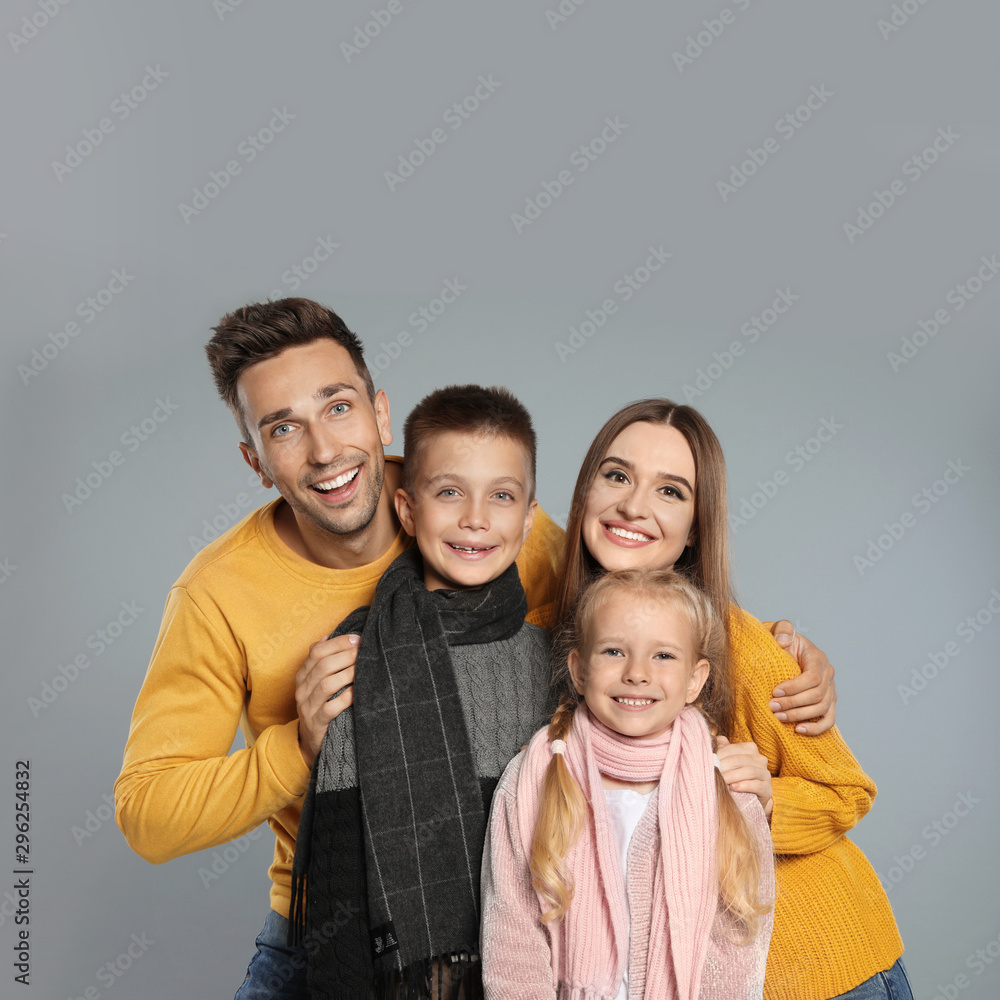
(685, 889)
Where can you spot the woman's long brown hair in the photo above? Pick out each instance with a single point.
(705, 563)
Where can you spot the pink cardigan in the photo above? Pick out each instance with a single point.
(522, 957)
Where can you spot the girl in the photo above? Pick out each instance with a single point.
(652, 494)
(618, 863)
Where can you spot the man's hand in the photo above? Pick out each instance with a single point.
(328, 668)
(745, 770)
(810, 700)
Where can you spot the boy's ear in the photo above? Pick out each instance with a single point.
(529, 518)
(697, 681)
(575, 665)
(404, 511)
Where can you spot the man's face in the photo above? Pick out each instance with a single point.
(316, 435)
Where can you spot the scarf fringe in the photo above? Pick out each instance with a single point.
(426, 978)
(297, 913)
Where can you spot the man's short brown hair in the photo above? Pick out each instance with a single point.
(262, 330)
(472, 409)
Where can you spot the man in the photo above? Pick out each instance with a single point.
(238, 641)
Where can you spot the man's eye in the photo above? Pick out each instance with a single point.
(340, 408)
(280, 430)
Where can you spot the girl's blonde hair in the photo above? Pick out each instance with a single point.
(563, 809)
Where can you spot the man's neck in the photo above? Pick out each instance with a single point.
(344, 551)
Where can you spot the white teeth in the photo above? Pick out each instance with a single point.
(631, 535)
(335, 484)
(466, 548)
(634, 701)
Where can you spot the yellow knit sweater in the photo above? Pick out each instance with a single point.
(237, 626)
(833, 926)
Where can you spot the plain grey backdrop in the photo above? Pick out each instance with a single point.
(693, 169)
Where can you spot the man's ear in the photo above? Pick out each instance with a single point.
(697, 681)
(250, 457)
(576, 672)
(404, 510)
(382, 417)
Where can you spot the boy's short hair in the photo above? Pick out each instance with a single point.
(262, 330)
(470, 409)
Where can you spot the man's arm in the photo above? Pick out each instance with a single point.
(179, 789)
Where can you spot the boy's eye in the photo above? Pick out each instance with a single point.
(448, 491)
(503, 495)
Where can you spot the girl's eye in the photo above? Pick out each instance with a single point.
(615, 476)
(611, 651)
(665, 656)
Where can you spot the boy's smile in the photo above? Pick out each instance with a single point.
(470, 510)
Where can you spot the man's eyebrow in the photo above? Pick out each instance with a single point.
(626, 464)
(328, 391)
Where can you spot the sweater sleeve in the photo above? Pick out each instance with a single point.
(517, 960)
(820, 791)
(180, 790)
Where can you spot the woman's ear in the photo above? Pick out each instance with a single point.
(576, 672)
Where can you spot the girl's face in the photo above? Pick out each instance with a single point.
(638, 666)
(639, 513)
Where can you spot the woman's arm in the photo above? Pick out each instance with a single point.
(808, 698)
(517, 961)
(819, 789)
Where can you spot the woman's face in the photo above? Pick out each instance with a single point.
(639, 513)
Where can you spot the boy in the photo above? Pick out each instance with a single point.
(450, 683)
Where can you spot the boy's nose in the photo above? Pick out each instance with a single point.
(474, 514)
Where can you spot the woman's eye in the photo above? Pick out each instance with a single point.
(672, 491)
(616, 476)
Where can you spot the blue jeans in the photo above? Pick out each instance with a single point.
(276, 972)
(889, 985)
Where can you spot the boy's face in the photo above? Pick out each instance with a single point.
(469, 510)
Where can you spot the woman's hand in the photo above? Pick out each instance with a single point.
(745, 770)
(809, 700)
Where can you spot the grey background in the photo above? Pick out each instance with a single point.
(67, 571)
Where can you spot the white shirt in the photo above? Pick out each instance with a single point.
(625, 809)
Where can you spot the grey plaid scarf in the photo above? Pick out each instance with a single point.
(388, 853)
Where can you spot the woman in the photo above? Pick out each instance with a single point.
(652, 494)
